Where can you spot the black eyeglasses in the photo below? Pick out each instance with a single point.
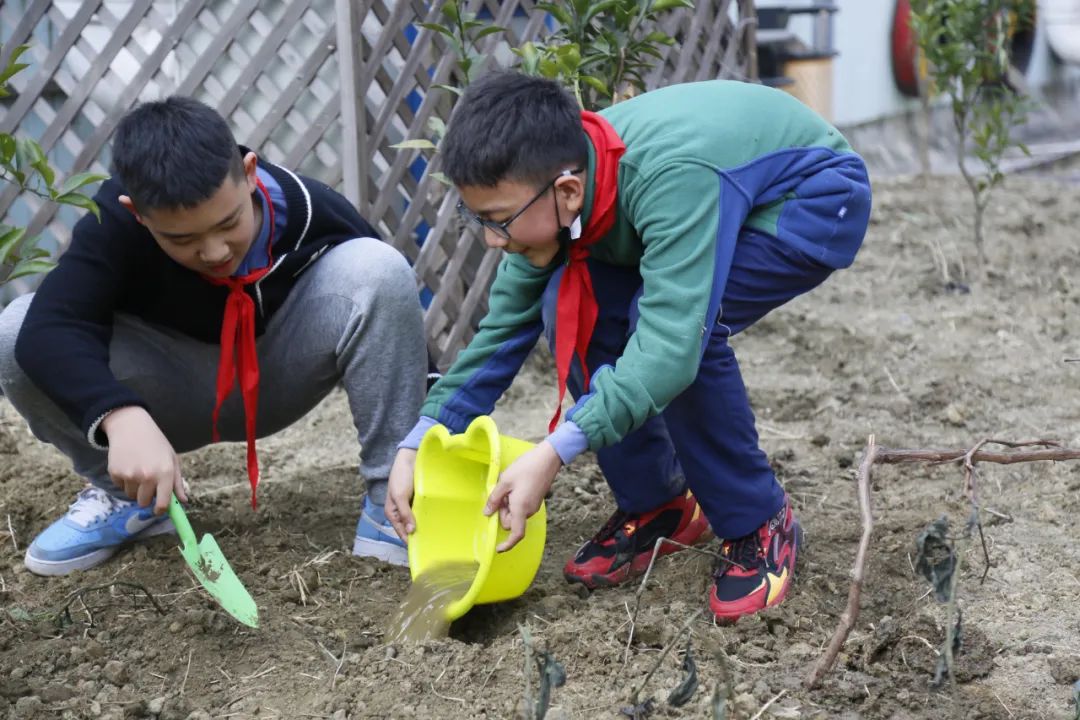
(502, 229)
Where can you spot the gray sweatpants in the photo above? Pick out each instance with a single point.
(353, 318)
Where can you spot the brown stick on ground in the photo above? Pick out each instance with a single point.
(1049, 450)
(851, 612)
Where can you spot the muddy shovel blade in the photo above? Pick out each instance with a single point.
(211, 569)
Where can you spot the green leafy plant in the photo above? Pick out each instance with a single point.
(966, 47)
(600, 50)
(464, 32)
(23, 164)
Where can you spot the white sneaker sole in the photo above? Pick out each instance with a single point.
(387, 552)
(54, 568)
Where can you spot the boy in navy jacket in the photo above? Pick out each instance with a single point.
(220, 297)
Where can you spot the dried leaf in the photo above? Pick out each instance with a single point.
(685, 690)
(936, 560)
(552, 675)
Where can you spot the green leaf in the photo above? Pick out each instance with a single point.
(37, 155)
(569, 58)
(600, 8)
(14, 66)
(17, 53)
(450, 10)
(651, 51)
(548, 68)
(78, 180)
(557, 11)
(596, 84)
(490, 30)
(77, 199)
(46, 172)
(23, 156)
(441, 177)
(450, 88)
(7, 149)
(530, 57)
(9, 72)
(31, 267)
(35, 253)
(415, 144)
(435, 27)
(436, 126)
(663, 5)
(9, 240)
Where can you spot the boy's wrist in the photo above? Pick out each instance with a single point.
(569, 441)
(412, 440)
(119, 415)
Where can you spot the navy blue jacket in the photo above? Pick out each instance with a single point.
(115, 266)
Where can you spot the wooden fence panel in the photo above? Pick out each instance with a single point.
(324, 86)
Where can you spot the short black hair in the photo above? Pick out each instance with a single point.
(509, 126)
(174, 153)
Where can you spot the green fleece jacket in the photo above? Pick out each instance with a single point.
(702, 160)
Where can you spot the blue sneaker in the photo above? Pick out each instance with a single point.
(94, 528)
(375, 537)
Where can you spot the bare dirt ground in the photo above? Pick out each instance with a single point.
(887, 347)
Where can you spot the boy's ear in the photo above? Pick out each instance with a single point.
(571, 190)
(251, 162)
(130, 207)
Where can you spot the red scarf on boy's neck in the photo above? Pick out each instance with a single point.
(576, 308)
(238, 356)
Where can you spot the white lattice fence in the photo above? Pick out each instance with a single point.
(276, 70)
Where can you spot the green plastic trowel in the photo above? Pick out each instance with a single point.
(212, 569)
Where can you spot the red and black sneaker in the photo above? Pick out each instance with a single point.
(624, 546)
(755, 571)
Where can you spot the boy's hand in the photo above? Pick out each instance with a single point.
(399, 492)
(521, 490)
(141, 459)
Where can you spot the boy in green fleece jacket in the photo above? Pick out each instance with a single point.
(640, 239)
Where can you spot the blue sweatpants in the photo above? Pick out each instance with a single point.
(705, 439)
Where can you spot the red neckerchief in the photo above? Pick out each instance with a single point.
(576, 308)
(238, 356)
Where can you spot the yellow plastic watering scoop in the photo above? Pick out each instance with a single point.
(454, 476)
(212, 569)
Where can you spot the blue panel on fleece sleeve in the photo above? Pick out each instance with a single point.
(478, 394)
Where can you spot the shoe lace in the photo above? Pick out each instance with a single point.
(616, 521)
(744, 553)
(93, 503)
